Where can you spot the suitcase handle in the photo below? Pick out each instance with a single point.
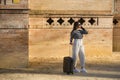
(70, 53)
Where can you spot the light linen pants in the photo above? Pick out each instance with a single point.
(78, 51)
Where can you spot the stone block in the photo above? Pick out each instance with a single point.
(14, 48)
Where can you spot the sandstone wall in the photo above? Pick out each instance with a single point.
(72, 6)
(13, 40)
(23, 4)
(14, 48)
(53, 40)
(14, 20)
(116, 28)
(117, 6)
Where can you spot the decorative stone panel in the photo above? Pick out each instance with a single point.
(67, 21)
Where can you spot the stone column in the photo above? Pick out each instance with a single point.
(14, 35)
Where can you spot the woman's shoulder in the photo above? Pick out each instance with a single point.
(80, 30)
(74, 31)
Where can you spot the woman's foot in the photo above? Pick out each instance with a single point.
(83, 70)
(76, 70)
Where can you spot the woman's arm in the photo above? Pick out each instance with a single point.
(84, 31)
(71, 37)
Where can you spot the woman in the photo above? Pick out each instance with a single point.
(78, 48)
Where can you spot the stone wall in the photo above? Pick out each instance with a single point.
(10, 5)
(48, 37)
(53, 40)
(38, 21)
(73, 7)
(46, 43)
(13, 40)
(116, 28)
(14, 48)
(117, 6)
(14, 21)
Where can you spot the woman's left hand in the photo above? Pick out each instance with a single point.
(71, 43)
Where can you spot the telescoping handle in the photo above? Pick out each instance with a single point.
(70, 50)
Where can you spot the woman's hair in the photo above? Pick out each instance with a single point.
(76, 25)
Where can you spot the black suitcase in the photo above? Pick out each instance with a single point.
(68, 65)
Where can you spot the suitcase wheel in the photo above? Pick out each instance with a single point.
(69, 73)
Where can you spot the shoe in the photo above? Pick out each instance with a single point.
(76, 70)
(83, 70)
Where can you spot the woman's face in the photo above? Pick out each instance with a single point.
(79, 26)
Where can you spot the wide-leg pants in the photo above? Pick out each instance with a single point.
(78, 51)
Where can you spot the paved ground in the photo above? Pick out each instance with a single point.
(21, 74)
(51, 69)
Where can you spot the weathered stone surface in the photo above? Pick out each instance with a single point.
(117, 6)
(41, 22)
(13, 48)
(9, 5)
(64, 6)
(55, 42)
(13, 40)
(14, 20)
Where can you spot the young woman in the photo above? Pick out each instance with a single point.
(77, 45)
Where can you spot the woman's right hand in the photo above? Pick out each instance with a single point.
(71, 43)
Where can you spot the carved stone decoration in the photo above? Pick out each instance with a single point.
(50, 21)
(60, 21)
(71, 21)
(115, 21)
(91, 21)
(81, 20)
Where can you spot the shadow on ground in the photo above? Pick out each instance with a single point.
(55, 68)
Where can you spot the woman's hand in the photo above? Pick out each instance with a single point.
(71, 43)
(81, 27)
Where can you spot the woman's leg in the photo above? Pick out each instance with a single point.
(82, 56)
(82, 59)
(75, 53)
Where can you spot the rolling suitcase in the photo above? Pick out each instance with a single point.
(68, 65)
